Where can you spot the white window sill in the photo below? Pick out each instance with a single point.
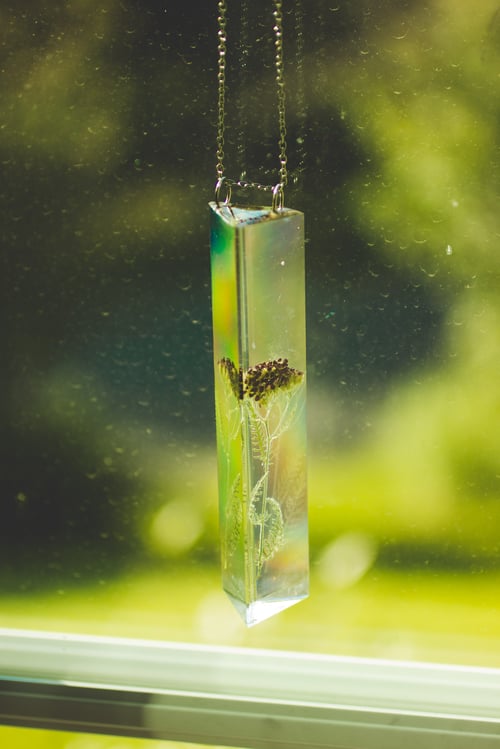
(241, 697)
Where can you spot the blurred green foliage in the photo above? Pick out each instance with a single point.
(107, 144)
(39, 739)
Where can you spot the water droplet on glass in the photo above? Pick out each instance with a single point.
(449, 249)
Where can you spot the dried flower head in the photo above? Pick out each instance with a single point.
(235, 376)
(260, 380)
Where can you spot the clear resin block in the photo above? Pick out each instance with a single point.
(258, 301)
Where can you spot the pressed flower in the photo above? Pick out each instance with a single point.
(260, 380)
(235, 376)
(263, 379)
(265, 401)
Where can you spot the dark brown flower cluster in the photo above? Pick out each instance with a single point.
(235, 376)
(262, 379)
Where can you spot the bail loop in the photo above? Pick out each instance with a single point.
(278, 198)
(221, 183)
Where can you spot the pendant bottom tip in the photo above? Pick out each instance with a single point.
(258, 611)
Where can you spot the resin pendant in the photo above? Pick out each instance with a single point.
(258, 303)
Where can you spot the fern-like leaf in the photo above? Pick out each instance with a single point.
(234, 517)
(255, 509)
(273, 529)
(288, 405)
(258, 434)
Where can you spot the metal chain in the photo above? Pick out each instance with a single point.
(221, 77)
(299, 94)
(280, 83)
(221, 104)
(244, 83)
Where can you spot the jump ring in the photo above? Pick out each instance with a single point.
(222, 182)
(278, 197)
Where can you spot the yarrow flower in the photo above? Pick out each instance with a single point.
(235, 376)
(260, 380)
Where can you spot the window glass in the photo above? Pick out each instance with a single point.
(108, 482)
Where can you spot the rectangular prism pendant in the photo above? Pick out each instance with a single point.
(258, 305)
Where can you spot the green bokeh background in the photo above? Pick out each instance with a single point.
(108, 487)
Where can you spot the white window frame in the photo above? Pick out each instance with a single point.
(241, 697)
